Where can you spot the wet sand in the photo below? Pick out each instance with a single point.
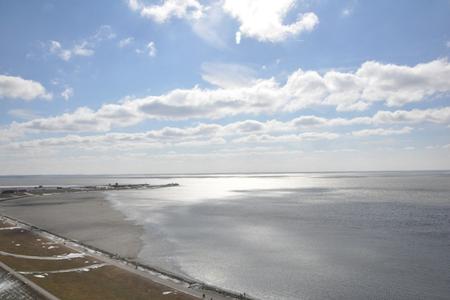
(85, 216)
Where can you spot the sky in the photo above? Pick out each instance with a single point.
(193, 86)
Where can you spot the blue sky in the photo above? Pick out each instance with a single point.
(223, 86)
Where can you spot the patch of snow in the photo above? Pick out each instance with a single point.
(10, 228)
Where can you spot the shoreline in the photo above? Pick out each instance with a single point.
(176, 281)
(17, 192)
(89, 221)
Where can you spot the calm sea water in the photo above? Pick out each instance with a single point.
(382, 235)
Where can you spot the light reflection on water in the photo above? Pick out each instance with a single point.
(302, 236)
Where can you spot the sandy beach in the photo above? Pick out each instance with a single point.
(85, 216)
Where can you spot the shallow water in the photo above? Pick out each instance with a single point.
(297, 236)
(302, 236)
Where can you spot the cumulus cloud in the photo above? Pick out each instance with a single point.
(264, 19)
(432, 115)
(199, 136)
(381, 132)
(111, 116)
(14, 87)
(160, 13)
(259, 19)
(398, 85)
(268, 96)
(414, 116)
(373, 82)
(82, 119)
(300, 129)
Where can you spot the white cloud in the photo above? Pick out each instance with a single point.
(414, 116)
(151, 49)
(433, 115)
(373, 82)
(381, 132)
(126, 42)
(56, 48)
(246, 131)
(227, 75)
(238, 37)
(81, 49)
(197, 136)
(84, 47)
(264, 19)
(104, 32)
(253, 96)
(134, 5)
(398, 85)
(24, 114)
(212, 26)
(260, 19)
(448, 44)
(287, 138)
(67, 93)
(189, 9)
(207, 22)
(18, 88)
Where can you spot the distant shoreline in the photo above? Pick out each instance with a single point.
(15, 192)
(169, 175)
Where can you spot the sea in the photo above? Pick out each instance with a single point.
(336, 235)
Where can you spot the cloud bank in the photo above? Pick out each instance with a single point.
(391, 85)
